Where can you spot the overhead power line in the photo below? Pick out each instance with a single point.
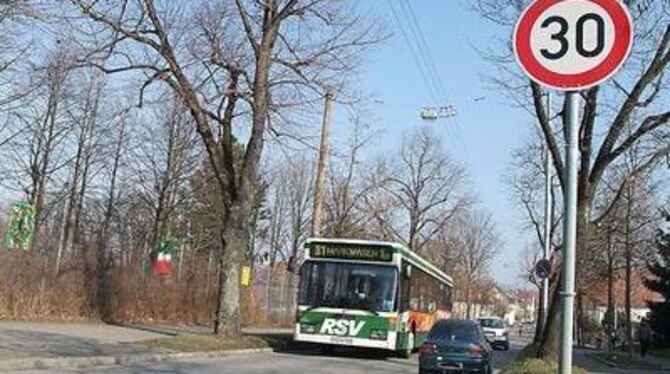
(434, 93)
(424, 49)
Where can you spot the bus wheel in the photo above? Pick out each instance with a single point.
(407, 352)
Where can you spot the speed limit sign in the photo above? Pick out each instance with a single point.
(573, 44)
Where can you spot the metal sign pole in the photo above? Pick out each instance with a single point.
(569, 231)
(547, 223)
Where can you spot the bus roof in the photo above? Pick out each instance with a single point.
(412, 257)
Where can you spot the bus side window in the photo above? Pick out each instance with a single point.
(447, 297)
(404, 289)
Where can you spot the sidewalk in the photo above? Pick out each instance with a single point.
(584, 359)
(659, 361)
(25, 345)
(22, 339)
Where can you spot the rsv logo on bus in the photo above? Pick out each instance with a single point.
(341, 327)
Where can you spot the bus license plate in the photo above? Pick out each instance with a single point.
(339, 340)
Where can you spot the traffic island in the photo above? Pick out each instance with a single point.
(537, 366)
(527, 363)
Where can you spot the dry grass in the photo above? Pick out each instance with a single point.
(32, 291)
(527, 363)
(537, 366)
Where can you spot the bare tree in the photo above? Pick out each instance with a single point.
(428, 186)
(84, 115)
(526, 184)
(164, 159)
(345, 215)
(104, 259)
(216, 56)
(33, 157)
(298, 186)
(476, 242)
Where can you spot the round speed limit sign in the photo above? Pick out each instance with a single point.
(573, 44)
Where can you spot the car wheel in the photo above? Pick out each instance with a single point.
(506, 347)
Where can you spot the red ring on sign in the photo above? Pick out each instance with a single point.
(623, 41)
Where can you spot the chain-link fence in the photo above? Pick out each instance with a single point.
(270, 299)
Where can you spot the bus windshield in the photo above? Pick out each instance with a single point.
(348, 286)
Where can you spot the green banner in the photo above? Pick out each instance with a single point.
(20, 226)
(168, 246)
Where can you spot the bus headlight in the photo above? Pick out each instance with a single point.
(378, 334)
(306, 328)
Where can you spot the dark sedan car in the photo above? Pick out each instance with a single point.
(455, 346)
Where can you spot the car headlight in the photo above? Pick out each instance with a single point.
(378, 334)
(306, 328)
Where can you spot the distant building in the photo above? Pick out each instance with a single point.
(595, 298)
(486, 303)
(521, 306)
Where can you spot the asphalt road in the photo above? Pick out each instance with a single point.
(355, 362)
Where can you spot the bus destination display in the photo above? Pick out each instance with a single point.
(351, 253)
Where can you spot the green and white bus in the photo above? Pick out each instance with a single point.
(368, 294)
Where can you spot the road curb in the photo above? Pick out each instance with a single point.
(83, 362)
(602, 360)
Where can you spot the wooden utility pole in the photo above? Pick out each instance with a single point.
(322, 165)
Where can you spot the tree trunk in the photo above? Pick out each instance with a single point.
(234, 242)
(227, 317)
(539, 326)
(467, 301)
(43, 165)
(629, 318)
(71, 202)
(548, 347)
(580, 319)
(76, 230)
(103, 292)
(549, 344)
(610, 327)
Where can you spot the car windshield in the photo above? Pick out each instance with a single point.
(466, 332)
(492, 323)
(348, 285)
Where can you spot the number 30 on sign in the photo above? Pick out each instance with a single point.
(573, 44)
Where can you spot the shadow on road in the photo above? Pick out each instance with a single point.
(19, 344)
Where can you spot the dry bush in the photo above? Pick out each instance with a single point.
(30, 290)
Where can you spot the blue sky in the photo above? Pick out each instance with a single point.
(483, 133)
